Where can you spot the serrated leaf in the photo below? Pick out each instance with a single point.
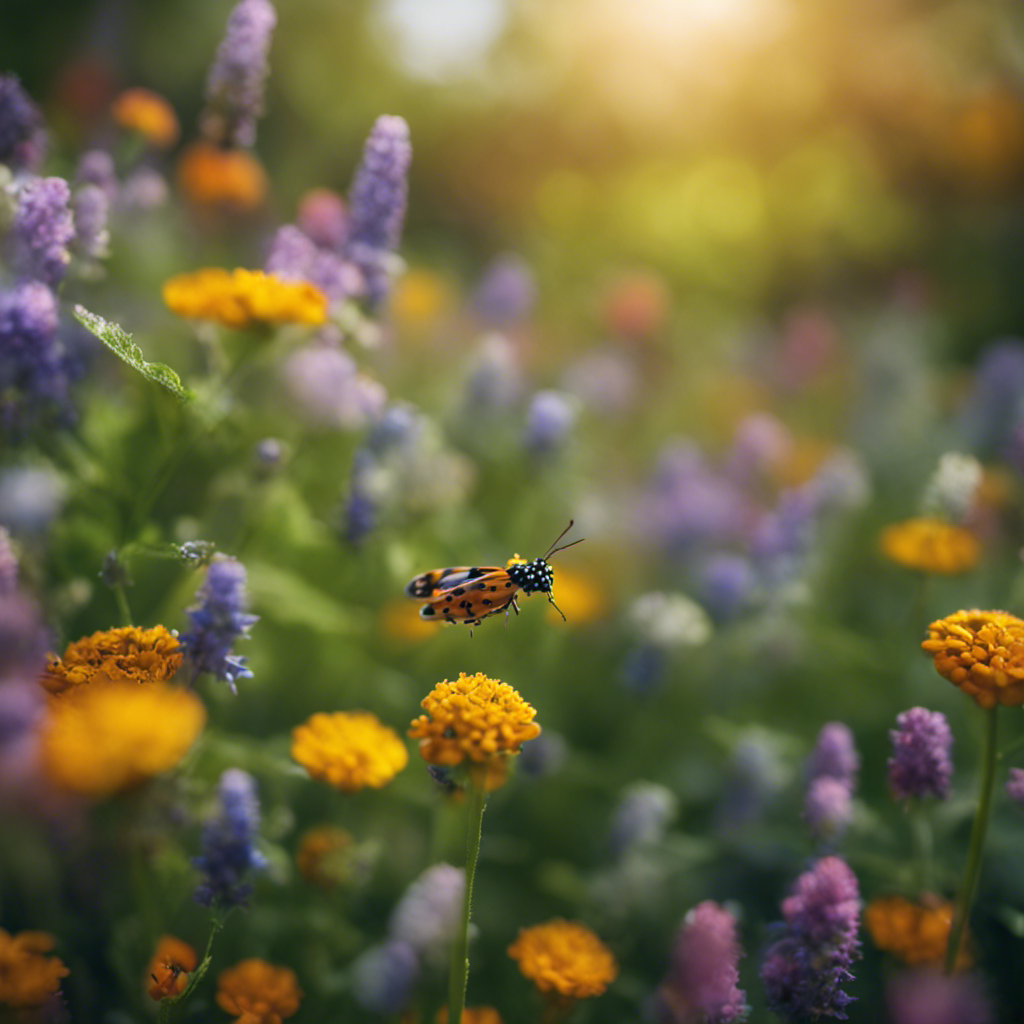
(119, 341)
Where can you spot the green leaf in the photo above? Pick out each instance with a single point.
(284, 597)
(120, 343)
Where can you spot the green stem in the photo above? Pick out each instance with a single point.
(973, 869)
(924, 845)
(196, 976)
(122, 605)
(476, 798)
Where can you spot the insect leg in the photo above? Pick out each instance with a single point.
(551, 600)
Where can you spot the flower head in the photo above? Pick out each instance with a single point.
(92, 239)
(109, 738)
(834, 755)
(323, 216)
(428, 916)
(827, 807)
(931, 545)
(472, 1015)
(383, 978)
(22, 135)
(169, 968)
(224, 179)
(507, 291)
(325, 856)
(928, 997)
(916, 933)
(257, 992)
(563, 958)
(549, 421)
(349, 750)
(702, 983)
(229, 855)
(728, 585)
(29, 975)
(1015, 786)
(642, 817)
(981, 652)
(218, 620)
(921, 765)
(127, 654)
(43, 229)
(147, 114)
(294, 256)
(234, 86)
(951, 491)
(242, 298)
(329, 390)
(96, 167)
(472, 718)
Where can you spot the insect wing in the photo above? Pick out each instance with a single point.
(429, 584)
(472, 598)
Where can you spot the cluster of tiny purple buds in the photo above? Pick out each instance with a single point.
(507, 291)
(803, 971)
(361, 507)
(228, 855)
(96, 167)
(996, 402)
(294, 256)
(702, 986)
(834, 754)
(549, 420)
(377, 203)
(22, 135)
(728, 585)
(43, 229)
(234, 86)
(920, 765)
(641, 818)
(90, 206)
(928, 997)
(429, 915)
(384, 977)
(218, 620)
(831, 779)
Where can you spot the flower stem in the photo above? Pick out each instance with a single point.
(973, 869)
(122, 604)
(196, 976)
(476, 798)
(924, 845)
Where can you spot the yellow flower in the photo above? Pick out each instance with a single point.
(930, 545)
(474, 717)
(228, 179)
(472, 1015)
(321, 856)
(916, 933)
(580, 596)
(982, 652)
(350, 750)
(565, 959)
(258, 993)
(130, 654)
(105, 739)
(241, 298)
(418, 299)
(28, 976)
(147, 113)
(167, 974)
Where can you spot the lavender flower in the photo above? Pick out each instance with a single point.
(234, 86)
(549, 420)
(544, 755)
(1015, 786)
(834, 755)
(802, 972)
(377, 203)
(23, 639)
(8, 564)
(90, 206)
(760, 444)
(229, 855)
(928, 997)
(644, 813)
(323, 217)
(296, 257)
(784, 537)
(728, 584)
(270, 455)
(96, 167)
(827, 808)
(702, 986)
(383, 978)
(495, 378)
(430, 913)
(507, 291)
(754, 775)
(144, 189)
(22, 135)
(361, 508)
(218, 620)
(921, 765)
(996, 401)
(43, 229)
(330, 390)
(643, 668)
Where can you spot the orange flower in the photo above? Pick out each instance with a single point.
(149, 114)
(229, 179)
(130, 654)
(167, 974)
(321, 856)
(28, 975)
(241, 298)
(930, 545)
(982, 652)
(916, 933)
(472, 1015)
(565, 959)
(258, 993)
(350, 750)
(474, 717)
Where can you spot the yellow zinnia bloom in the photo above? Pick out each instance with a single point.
(982, 652)
(129, 654)
(258, 993)
(565, 959)
(913, 932)
(930, 545)
(349, 750)
(240, 298)
(227, 179)
(28, 974)
(149, 114)
(105, 739)
(474, 717)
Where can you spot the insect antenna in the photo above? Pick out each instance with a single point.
(564, 546)
(551, 550)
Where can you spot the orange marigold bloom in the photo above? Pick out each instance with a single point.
(930, 545)
(350, 750)
(474, 717)
(229, 179)
(241, 298)
(472, 1015)
(258, 993)
(565, 959)
(105, 739)
(149, 114)
(167, 974)
(129, 654)
(321, 858)
(916, 933)
(982, 652)
(28, 975)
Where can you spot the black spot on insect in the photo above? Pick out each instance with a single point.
(508, 586)
(465, 604)
(480, 586)
(428, 610)
(487, 601)
(459, 591)
(494, 588)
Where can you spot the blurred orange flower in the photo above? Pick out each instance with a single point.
(916, 933)
(167, 974)
(320, 856)
(258, 992)
(28, 975)
(349, 750)
(930, 545)
(565, 959)
(149, 114)
(472, 1015)
(230, 179)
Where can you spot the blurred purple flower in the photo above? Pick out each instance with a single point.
(296, 257)
(643, 668)
(840, 483)
(549, 420)
(1015, 786)
(96, 167)
(270, 454)
(399, 424)
(834, 755)
(727, 586)
(544, 755)
(641, 818)
(377, 203)
(43, 229)
(995, 404)
(928, 997)
(144, 189)
(495, 379)
(784, 537)
(23, 639)
(90, 206)
(702, 986)
(507, 291)
(384, 977)
(429, 915)
(234, 86)
(322, 216)
(22, 135)
(8, 564)
(760, 444)
(827, 809)
(921, 764)
(329, 389)
(361, 509)
(218, 620)
(605, 381)
(754, 775)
